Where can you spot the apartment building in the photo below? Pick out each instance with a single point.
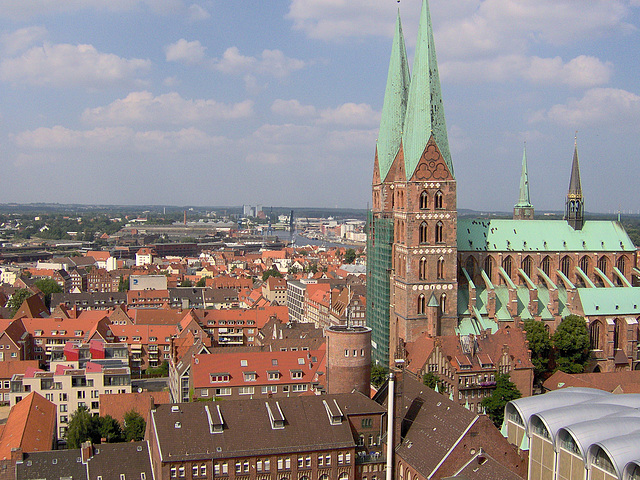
(70, 388)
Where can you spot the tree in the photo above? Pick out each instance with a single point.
(123, 285)
(350, 255)
(48, 286)
(82, 427)
(504, 392)
(272, 272)
(109, 429)
(571, 343)
(378, 375)
(17, 299)
(432, 381)
(186, 283)
(134, 426)
(540, 345)
(202, 282)
(161, 370)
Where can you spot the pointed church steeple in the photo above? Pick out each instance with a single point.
(425, 112)
(574, 207)
(523, 210)
(395, 103)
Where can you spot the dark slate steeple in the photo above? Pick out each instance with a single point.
(574, 208)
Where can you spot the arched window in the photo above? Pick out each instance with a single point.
(506, 265)
(439, 232)
(565, 266)
(546, 265)
(424, 200)
(584, 264)
(422, 304)
(594, 336)
(488, 267)
(343, 476)
(440, 268)
(526, 265)
(622, 264)
(423, 232)
(438, 199)
(470, 267)
(603, 265)
(443, 302)
(422, 271)
(616, 334)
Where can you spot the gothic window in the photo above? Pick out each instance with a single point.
(602, 264)
(423, 232)
(584, 264)
(506, 265)
(424, 200)
(488, 267)
(565, 266)
(422, 304)
(546, 265)
(594, 336)
(470, 267)
(616, 334)
(621, 266)
(438, 199)
(423, 269)
(443, 303)
(439, 232)
(526, 266)
(440, 268)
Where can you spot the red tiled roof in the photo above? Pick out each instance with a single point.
(30, 426)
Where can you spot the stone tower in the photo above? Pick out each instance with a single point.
(348, 359)
(412, 242)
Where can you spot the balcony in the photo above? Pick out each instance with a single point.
(374, 457)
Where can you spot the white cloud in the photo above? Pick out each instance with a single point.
(292, 108)
(197, 13)
(22, 39)
(144, 108)
(580, 72)
(69, 65)
(270, 62)
(184, 51)
(112, 139)
(351, 114)
(599, 107)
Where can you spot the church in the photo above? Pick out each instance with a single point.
(431, 273)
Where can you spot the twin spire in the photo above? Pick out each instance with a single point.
(412, 111)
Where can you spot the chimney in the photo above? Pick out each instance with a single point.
(87, 451)
(16, 455)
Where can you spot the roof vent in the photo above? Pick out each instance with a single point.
(139, 448)
(178, 425)
(175, 409)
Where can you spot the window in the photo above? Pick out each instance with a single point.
(296, 374)
(225, 468)
(245, 390)
(439, 232)
(245, 466)
(270, 389)
(80, 393)
(174, 472)
(203, 470)
(546, 268)
(63, 407)
(422, 303)
(506, 265)
(423, 233)
(320, 460)
(299, 388)
(438, 199)
(238, 467)
(6, 384)
(367, 423)
(565, 266)
(222, 391)
(194, 470)
(526, 266)
(340, 458)
(424, 200)
(327, 460)
(440, 268)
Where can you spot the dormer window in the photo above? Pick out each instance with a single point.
(250, 376)
(218, 377)
(296, 374)
(273, 375)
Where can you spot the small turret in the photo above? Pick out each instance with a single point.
(574, 207)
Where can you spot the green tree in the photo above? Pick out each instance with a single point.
(186, 283)
(202, 282)
(504, 392)
(123, 285)
(17, 299)
(48, 286)
(134, 426)
(272, 272)
(540, 345)
(349, 255)
(378, 375)
(161, 370)
(109, 429)
(82, 427)
(571, 343)
(432, 381)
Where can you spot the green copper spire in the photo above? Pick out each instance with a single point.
(425, 112)
(395, 103)
(524, 201)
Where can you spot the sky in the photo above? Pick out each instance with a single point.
(218, 102)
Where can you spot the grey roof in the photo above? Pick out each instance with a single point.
(529, 406)
(110, 460)
(51, 465)
(591, 431)
(620, 449)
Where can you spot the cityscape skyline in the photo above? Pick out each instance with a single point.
(99, 107)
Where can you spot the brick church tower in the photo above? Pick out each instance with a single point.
(412, 242)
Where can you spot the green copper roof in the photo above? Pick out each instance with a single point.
(425, 112)
(523, 200)
(395, 104)
(541, 235)
(610, 301)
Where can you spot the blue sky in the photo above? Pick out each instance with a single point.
(277, 102)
